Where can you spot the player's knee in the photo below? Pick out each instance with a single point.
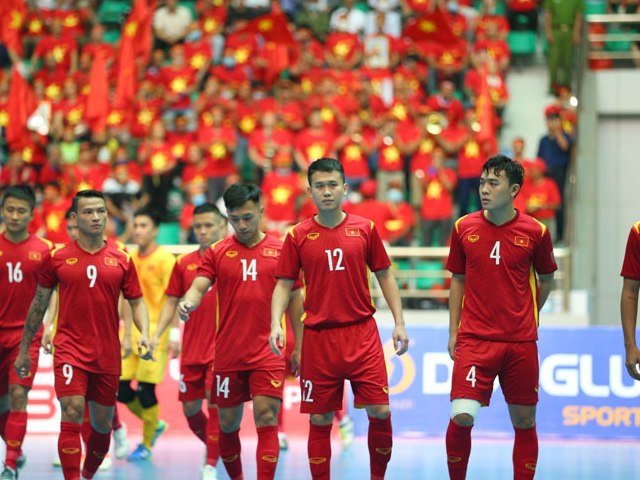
(381, 412)
(464, 411)
(191, 408)
(126, 394)
(524, 422)
(72, 410)
(266, 417)
(321, 419)
(18, 398)
(4, 403)
(147, 394)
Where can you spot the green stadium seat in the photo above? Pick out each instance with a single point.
(617, 45)
(595, 7)
(427, 283)
(113, 11)
(112, 36)
(522, 43)
(168, 234)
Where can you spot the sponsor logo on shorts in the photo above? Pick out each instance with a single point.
(110, 261)
(276, 383)
(352, 232)
(70, 450)
(317, 460)
(98, 454)
(72, 261)
(384, 451)
(473, 238)
(313, 236)
(454, 459)
(530, 466)
(230, 459)
(35, 256)
(14, 443)
(192, 266)
(385, 390)
(231, 253)
(270, 458)
(521, 241)
(213, 438)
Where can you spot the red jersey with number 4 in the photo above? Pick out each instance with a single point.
(499, 264)
(631, 264)
(89, 285)
(19, 266)
(198, 339)
(335, 264)
(245, 279)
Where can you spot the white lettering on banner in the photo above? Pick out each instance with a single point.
(291, 396)
(431, 363)
(566, 375)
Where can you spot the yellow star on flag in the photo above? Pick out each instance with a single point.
(399, 111)
(265, 25)
(114, 118)
(53, 222)
(145, 117)
(35, 26)
(446, 58)
(16, 20)
(353, 153)
(59, 52)
(392, 155)
(4, 118)
(327, 114)
(84, 186)
(210, 24)
(247, 124)
(315, 151)
(471, 149)
(306, 85)
(53, 91)
(241, 55)
(75, 115)
(281, 194)
(178, 150)
(434, 191)
(130, 29)
(198, 61)
(27, 154)
(218, 151)
(158, 161)
(428, 26)
(426, 146)
(178, 84)
(71, 21)
(341, 49)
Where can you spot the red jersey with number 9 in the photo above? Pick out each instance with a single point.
(89, 285)
(500, 264)
(335, 264)
(631, 264)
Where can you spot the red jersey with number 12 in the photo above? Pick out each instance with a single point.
(89, 286)
(335, 264)
(200, 331)
(499, 264)
(631, 264)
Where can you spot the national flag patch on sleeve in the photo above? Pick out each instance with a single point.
(270, 252)
(521, 241)
(110, 261)
(352, 231)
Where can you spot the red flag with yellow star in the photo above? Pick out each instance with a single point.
(22, 103)
(485, 115)
(97, 108)
(432, 27)
(12, 13)
(126, 80)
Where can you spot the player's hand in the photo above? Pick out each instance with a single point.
(184, 309)
(23, 365)
(145, 348)
(127, 346)
(451, 347)
(632, 362)
(295, 363)
(174, 348)
(277, 339)
(400, 339)
(47, 341)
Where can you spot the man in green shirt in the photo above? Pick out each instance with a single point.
(563, 24)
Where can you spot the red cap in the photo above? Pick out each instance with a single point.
(551, 110)
(368, 188)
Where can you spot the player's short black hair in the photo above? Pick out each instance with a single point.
(209, 207)
(67, 214)
(20, 192)
(148, 212)
(501, 163)
(240, 193)
(84, 194)
(325, 165)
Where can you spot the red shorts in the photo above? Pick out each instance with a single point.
(8, 375)
(195, 381)
(73, 380)
(332, 355)
(478, 362)
(230, 389)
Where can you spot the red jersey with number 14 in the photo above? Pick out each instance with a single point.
(335, 264)
(19, 266)
(89, 286)
(245, 278)
(500, 264)
(631, 264)
(200, 331)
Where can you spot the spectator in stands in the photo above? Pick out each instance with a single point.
(52, 171)
(314, 14)
(517, 152)
(170, 24)
(269, 144)
(281, 191)
(348, 19)
(121, 196)
(17, 171)
(376, 210)
(391, 147)
(436, 212)
(178, 81)
(541, 195)
(313, 142)
(522, 15)
(248, 9)
(400, 227)
(69, 147)
(388, 10)
(54, 207)
(354, 147)
(623, 6)
(563, 26)
(63, 47)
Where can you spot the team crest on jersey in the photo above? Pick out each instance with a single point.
(231, 253)
(473, 238)
(276, 383)
(112, 262)
(521, 241)
(35, 256)
(352, 232)
(270, 252)
(192, 266)
(313, 236)
(72, 261)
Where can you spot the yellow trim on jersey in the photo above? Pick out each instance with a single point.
(542, 225)
(181, 256)
(636, 227)
(534, 291)
(53, 252)
(373, 304)
(48, 243)
(290, 232)
(213, 245)
(304, 295)
(371, 225)
(217, 310)
(459, 220)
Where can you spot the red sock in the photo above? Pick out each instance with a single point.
(86, 426)
(15, 431)
(198, 425)
(115, 423)
(339, 414)
(267, 452)
(458, 450)
(213, 437)
(70, 449)
(230, 454)
(97, 449)
(3, 423)
(319, 451)
(525, 453)
(281, 419)
(380, 441)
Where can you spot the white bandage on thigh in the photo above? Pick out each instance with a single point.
(464, 405)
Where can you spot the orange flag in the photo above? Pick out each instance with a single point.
(432, 27)
(485, 114)
(22, 103)
(97, 108)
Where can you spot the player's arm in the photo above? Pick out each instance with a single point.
(279, 303)
(124, 311)
(167, 316)
(32, 324)
(296, 310)
(47, 324)
(545, 283)
(193, 297)
(140, 317)
(456, 293)
(628, 315)
(391, 294)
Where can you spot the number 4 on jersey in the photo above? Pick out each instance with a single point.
(495, 252)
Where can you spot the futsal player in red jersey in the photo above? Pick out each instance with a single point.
(335, 251)
(629, 300)
(89, 274)
(21, 257)
(197, 352)
(243, 268)
(502, 265)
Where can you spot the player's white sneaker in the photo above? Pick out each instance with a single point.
(121, 442)
(209, 472)
(106, 464)
(8, 474)
(346, 431)
(282, 439)
(56, 462)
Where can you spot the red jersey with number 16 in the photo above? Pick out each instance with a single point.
(631, 264)
(200, 331)
(500, 264)
(335, 264)
(245, 278)
(19, 266)
(89, 286)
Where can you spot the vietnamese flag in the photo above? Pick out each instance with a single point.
(432, 27)
(144, 42)
(21, 104)
(485, 114)
(12, 13)
(97, 108)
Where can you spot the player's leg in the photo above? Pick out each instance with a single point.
(150, 412)
(69, 443)
(119, 432)
(4, 411)
(265, 415)
(319, 445)
(230, 419)
(101, 419)
(192, 391)
(213, 426)
(126, 393)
